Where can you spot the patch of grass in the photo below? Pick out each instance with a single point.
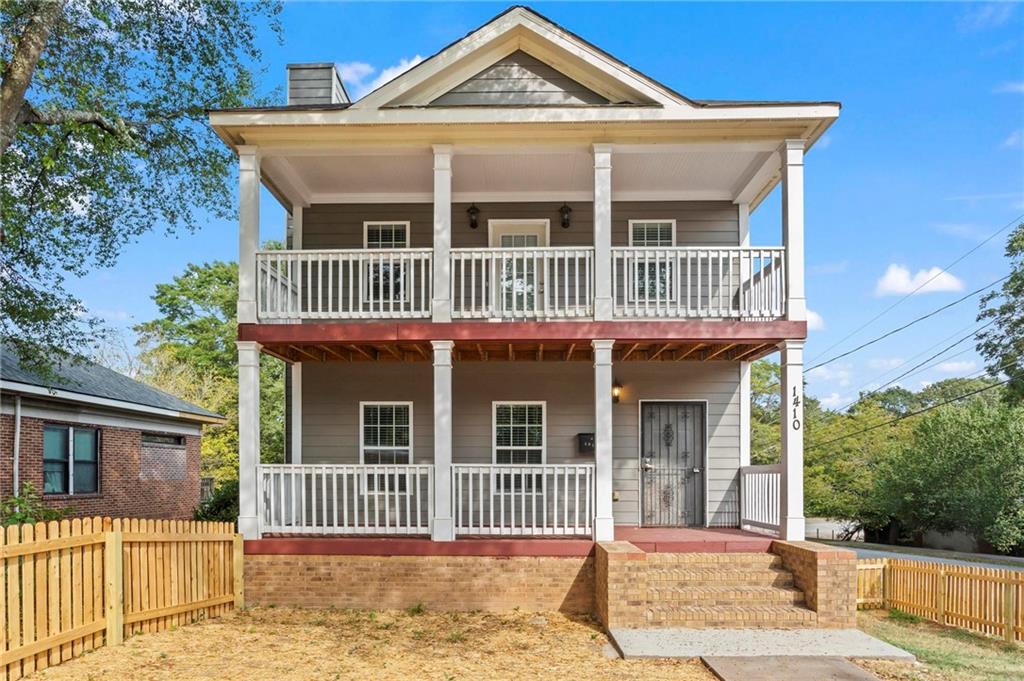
(945, 653)
(417, 609)
(457, 636)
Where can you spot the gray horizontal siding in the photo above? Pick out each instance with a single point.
(698, 223)
(314, 85)
(332, 392)
(519, 79)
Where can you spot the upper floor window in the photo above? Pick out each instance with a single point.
(653, 233)
(70, 460)
(651, 280)
(385, 278)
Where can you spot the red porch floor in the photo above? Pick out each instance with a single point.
(649, 539)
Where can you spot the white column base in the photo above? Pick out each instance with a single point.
(444, 529)
(247, 310)
(604, 529)
(604, 309)
(248, 527)
(793, 529)
(441, 310)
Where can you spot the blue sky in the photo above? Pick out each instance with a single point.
(926, 160)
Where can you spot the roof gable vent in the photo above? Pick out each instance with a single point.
(315, 84)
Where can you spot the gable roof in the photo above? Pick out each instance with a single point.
(86, 379)
(520, 28)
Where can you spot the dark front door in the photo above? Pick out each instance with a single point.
(672, 463)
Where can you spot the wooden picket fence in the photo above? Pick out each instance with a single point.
(71, 586)
(986, 600)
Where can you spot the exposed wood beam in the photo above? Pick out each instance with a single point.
(629, 352)
(540, 352)
(423, 351)
(392, 350)
(362, 352)
(330, 351)
(660, 350)
(751, 351)
(277, 353)
(687, 353)
(568, 353)
(511, 353)
(719, 351)
(303, 351)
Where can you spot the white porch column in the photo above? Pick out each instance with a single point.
(248, 231)
(791, 406)
(441, 302)
(604, 523)
(603, 303)
(792, 152)
(444, 525)
(248, 436)
(295, 417)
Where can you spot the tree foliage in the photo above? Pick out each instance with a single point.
(189, 351)
(1002, 344)
(103, 137)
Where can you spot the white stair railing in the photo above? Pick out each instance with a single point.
(344, 284)
(345, 499)
(760, 487)
(688, 282)
(550, 499)
(522, 283)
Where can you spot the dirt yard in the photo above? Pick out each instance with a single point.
(287, 643)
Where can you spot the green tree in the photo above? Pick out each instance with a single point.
(103, 137)
(1002, 344)
(189, 350)
(764, 412)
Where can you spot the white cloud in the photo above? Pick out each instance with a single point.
(834, 401)
(1015, 140)
(1013, 87)
(815, 322)
(836, 267)
(958, 366)
(840, 374)
(885, 363)
(981, 17)
(897, 281)
(356, 74)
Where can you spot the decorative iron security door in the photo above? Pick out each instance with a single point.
(672, 463)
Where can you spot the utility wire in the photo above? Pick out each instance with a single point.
(930, 280)
(907, 325)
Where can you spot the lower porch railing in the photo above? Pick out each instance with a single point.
(345, 499)
(551, 499)
(759, 496)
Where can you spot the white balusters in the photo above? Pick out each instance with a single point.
(759, 496)
(523, 500)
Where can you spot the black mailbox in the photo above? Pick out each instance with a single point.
(585, 443)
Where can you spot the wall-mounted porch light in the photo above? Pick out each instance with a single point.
(565, 211)
(474, 216)
(616, 391)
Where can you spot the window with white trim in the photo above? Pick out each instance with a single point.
(652, 279)
(519, 439)
(385, 281)
(71, 458)
(386, 438)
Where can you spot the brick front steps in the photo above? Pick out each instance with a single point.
(796, 585)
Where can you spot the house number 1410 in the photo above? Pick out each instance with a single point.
(796, 410)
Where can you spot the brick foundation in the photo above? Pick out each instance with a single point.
(438, 582)
(122, 491)
(828, 578)
(620, 570)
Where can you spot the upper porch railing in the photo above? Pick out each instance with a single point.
(522, 283)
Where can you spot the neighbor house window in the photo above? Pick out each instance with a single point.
(386, 438)
(518, 440)
(651, 278)
(385, 281)
(70, 460)
(162, 439)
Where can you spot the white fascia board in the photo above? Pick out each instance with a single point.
(521, 197)
(762, 173)
(810, 113)
(53, 393)
(82, 415)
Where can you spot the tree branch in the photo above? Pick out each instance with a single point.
(113, 125)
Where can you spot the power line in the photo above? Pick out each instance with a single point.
(908, 324)
(917, 366)
(907, 416)
(930, 280)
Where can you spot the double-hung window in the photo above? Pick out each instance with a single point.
(385, 275)
(386, 438)
(651, 279)
(70, 460)
(519, 439)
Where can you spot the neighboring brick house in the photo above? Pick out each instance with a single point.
(99, 442)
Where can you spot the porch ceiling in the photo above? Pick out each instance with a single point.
(519, 351)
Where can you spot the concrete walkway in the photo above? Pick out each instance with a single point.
(786, 669)
(705, 643)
